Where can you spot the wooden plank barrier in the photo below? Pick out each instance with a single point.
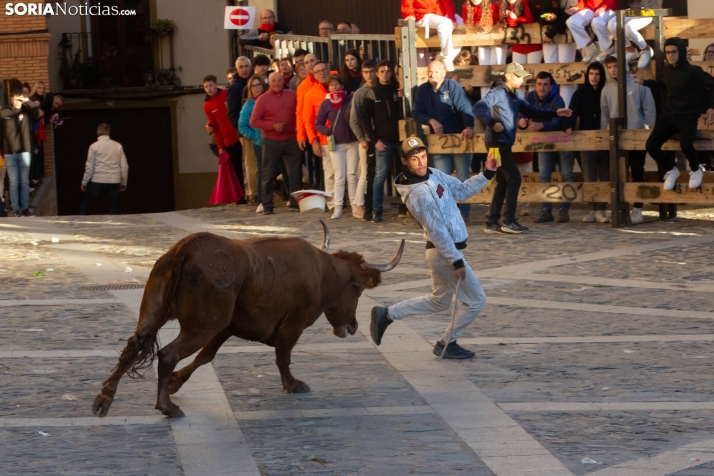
(653, 193)
(532, 33)
(551, 192)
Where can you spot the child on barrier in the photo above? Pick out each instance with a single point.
(633, 25)
(484, 14)
(597, 12)
(437, 14)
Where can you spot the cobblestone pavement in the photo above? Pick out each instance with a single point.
(593, 356)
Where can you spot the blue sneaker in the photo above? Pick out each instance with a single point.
(380, 322)
(514, 227)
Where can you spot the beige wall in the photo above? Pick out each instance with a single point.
(194, 154)
(58, 24)
(700, 9)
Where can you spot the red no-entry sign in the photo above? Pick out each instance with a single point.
(239, 18)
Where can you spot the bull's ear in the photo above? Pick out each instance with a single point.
(372, 278)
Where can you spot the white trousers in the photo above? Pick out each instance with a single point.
(329, 170)
(533, 57)
(489, 55)
(578, 22)
(599, 25)
(632, 30)
(345, 161)
(471, 297)
(444, 27)
(362, 180)
(561, 53)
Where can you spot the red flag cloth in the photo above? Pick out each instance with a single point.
(228, 189)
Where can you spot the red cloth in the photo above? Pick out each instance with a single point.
(287, 80)
(495, 13)
(595, 4)
(217, 113)
(267, 27)
(522, 157)
(336, 98)
(227, 189)
(275, 108)
(419, 8)
(525, 18)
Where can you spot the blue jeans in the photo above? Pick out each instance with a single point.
(95, 189)
(384, 160)
(546, 163)
(461, 162)
(18, 171)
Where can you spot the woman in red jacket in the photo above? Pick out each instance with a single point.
(483, 14)
(597, 12)
(514, 13)
(439, 15)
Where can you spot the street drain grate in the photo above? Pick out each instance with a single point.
(113, 287)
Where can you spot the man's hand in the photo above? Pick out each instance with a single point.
(400, 93)
(491, 163)
(600, 11)
(710, 116)
(278, 127)
(122, 188)
(220, 151)
(460, 273)
(468, 133)
(535, 127)
(364, 144)
(498, 127)
(410, 17)
(302, 144)
(522, 122)
(637, 79)
(436, 125)
(263, 36)
(546, 40)
(572, 10)
(83, 188)
(569, 131)
(316, 149)
(564, 112)
(549, 17)
(380, 146)
(208, 127)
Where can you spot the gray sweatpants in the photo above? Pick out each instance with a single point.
(443, 282)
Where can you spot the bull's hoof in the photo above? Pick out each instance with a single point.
(175, 384)
(171, 411)
(101, 405)
(299, 387)
(177, 413)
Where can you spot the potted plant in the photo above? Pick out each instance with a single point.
(163, 27)
(69, 70)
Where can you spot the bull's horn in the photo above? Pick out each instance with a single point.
(325, 245)
(389, 266)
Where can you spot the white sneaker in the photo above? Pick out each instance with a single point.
(645, 58)
(695, 178)
(589, 53)
(448, 64)
(590, 217)
(604, 54)
(601, 217)
(630, 57)
(636, 215)
(337, 213)
(259, 209)
(670, 178)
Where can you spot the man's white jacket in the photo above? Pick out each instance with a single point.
(106, 163)
(433, 203)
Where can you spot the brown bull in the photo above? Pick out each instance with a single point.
(264, 289)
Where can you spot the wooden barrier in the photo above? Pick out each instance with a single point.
(551, 192)
(531, 33)
(653, 193)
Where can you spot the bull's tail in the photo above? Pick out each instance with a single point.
(142, 347)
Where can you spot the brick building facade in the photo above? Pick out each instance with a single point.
(24, 55)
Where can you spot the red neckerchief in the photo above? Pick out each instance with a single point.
(337, 98)
(267, 27)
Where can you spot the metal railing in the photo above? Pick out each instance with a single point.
(285, 45)
(251, 52)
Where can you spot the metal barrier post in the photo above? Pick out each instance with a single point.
(618, 175)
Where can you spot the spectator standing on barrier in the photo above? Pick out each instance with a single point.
(552, 13)
(235, 91)
(273, 114)
(224, 131)
(106, 170)
(633, 26)
(689, 92)
(586, 117)
(16, 144)
(443, 105)
(260, 37)
(367, 158)
(514, 13)
(311, 104)
(345, 156)
(252, 137)
(431, 198)
(498, 111)
(379, 119)
(641, 114)
(261, 67)
(439, 15)
(546, 96)
(325, 28)
(484, 14)
(595, 12)
(351, 71)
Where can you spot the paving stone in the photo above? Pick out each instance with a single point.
(706, 469)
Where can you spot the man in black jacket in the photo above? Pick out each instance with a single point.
(379, 119)
(244, 70)
(260, 37)
(687, 87)
(16, 142)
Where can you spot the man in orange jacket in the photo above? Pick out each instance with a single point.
(311, 104)
(304, 87)
(439, 15)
